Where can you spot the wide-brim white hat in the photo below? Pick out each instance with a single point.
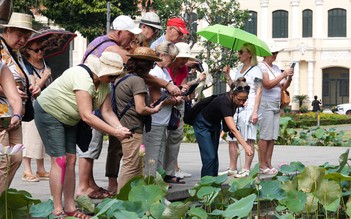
(20, 20)
(109, 63)
(184, 51)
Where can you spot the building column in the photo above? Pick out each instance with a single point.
(296, 78)
(294, 18)
(318, 20)
(310, 79)
(264, 19)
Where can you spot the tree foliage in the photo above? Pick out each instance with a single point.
(86, 16)
(211, 11)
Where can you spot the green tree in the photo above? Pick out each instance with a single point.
(212, 11)
(86, 16)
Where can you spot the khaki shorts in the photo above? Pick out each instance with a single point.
(269, 123)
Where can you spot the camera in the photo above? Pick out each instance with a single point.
(199, 66)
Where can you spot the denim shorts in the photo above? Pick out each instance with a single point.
(58, 138)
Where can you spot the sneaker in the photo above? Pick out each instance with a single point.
(229, 172)
(243, 173)
(182, 174)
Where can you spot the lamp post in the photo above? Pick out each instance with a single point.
(108, 17)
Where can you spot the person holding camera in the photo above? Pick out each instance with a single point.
(179, 71)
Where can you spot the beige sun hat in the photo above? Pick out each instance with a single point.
(184, 51)
(109, 63)
(145, 53)
(20, 20)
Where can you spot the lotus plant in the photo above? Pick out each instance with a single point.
(6, 151)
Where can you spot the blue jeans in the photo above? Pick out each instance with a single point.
(207, 136)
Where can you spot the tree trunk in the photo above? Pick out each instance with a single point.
(6, 7)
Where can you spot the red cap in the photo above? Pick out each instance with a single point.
(179, 23)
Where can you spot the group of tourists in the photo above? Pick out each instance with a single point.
(115, 91)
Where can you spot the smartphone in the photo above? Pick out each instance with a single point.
(162, 98)
(190, 90)
(292, 65)
(5, 121)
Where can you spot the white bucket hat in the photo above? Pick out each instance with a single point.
(124, 22)
(151, 19)
(20, 20)
(184, 51)
(109, 63)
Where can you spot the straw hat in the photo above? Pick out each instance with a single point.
(20, 20)
(184, 51)
(145, 53)
(109, 63)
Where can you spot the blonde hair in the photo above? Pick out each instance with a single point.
(167, 48)
(252, 50)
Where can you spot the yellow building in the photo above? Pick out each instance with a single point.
(314, 34)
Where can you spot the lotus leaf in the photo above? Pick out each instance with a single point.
(310, 179)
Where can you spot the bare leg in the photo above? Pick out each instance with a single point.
(56, 185)
(262, 150)
(86, 177)
(40, 165)
(248, 159)
(270, 147)
(233, 155)
(69, 183)
(27, 165)
(112, 184)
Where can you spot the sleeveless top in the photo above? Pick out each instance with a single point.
(98, 51)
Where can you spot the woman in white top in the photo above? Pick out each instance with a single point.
(273, 81)
(155, 139)
(246, 118)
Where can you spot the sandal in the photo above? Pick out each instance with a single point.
(98, 194)
(43, 175)
(268, 171)
(77, 214)
(173, 179)
(105, 191)
(29, 177)
(59, 215)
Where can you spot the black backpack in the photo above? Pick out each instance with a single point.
(190, 114)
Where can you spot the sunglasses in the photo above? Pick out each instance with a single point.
(36, 50)
(179, 32)
(242, 88)
(241, 51)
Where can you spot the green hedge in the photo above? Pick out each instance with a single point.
(300, 120)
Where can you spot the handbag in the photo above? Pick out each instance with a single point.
(29, 110)
(285, 98)
(174, 121)
(84, 135)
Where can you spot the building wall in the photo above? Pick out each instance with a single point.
(313, 55)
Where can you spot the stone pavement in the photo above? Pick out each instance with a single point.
(190, 161)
